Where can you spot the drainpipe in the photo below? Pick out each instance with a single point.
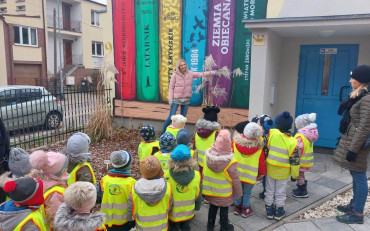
(46, 59)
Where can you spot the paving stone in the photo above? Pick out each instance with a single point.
(331, 183)
(200, 219)
(331, 224)
(318, 168)
(280, 228)
(306, 225)
(363, 227)
(311, 176)
(313, 196)
(251, 223)
(323, 189)
(292, 206)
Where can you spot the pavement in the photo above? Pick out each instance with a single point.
(325, 181)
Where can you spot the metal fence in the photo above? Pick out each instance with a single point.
(35, 116)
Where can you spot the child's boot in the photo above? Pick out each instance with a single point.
(279, 213)
(238, 209)
(270, 212)
(226, 225)
(247, 211)
(301, 191)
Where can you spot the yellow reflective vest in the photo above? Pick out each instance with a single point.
(146, 149)
(217, 184)
(173, 131)
(38, 219)
(151, 217)
(184, 197)
(247, 165)
(57, 189)
(281, 148)
(163, 159)
(115, 197)
(306, 160)
(73, 175)
(202, 144)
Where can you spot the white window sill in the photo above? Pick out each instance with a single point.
(25, 45)
(97, 56)
(97, 26)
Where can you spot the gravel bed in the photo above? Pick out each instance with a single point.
(328, 209)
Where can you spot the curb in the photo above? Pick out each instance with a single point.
(305, 209)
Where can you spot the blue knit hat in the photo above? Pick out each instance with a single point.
(121, 159)
(181, 153)
(183, 137)
(284, 121)
(167, 142)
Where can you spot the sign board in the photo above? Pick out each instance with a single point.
(328, 51)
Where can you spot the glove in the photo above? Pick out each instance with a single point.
(351, 156)
(170, 102)
(292, 179)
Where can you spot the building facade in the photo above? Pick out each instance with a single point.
(302, 55)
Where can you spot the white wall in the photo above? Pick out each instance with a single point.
(289, 64)
(305, 8)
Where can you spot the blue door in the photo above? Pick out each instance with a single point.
(322, 83)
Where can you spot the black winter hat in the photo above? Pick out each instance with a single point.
(255, 119)
(239, 127)
(284, 121)
(148, 133)
(210, 113)
(361, 74)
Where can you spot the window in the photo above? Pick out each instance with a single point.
(20, 0)
(2, 1)
(20, 8)
(94, 18)
(97, 49)
(3, 10)
(25, 35)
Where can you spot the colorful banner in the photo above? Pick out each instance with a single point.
(242, 49)
(169, 42)
(194, 41)
(147, 56)
(124, 47)
(221, 25)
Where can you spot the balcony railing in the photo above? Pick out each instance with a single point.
(77, 59)
(68, 25)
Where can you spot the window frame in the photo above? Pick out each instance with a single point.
(17, 8)
(96, 20)
(94, 43)
(3, 9)
(2, 1)
(19, 1)
(29, 36)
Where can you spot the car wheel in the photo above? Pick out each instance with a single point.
(53, 120)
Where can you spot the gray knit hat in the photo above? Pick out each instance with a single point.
(19, 162)
(121, 159)
(305, 119)
(78, 143)
(252, 130)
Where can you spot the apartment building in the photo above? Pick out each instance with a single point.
(29, 42)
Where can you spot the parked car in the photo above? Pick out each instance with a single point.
(29, 106)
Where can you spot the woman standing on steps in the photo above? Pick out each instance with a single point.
(351, 152)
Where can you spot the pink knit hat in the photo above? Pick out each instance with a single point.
(51, 163)
(223, 141)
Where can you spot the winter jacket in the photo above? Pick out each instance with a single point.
(312, 134)
(10, 218)
(83, 174)
(217, 162)
(181, 84)
(184, 178)
(4, 154)
(150, 191)
(205, 128)
(68, 219)
(55, 199)
(249, 147)
(357, 132)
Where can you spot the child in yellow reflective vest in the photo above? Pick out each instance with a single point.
(116, 187)
(220, 180)
(75, 213)
(281, 162)
(167, 143)
(248, 151)
(185, 181)
(150, 200)
(149, 144)
(23, 210)
(178, 122)
(51, 168)
(77, 151)
(307, 134)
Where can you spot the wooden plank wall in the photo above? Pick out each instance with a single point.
(228, 117)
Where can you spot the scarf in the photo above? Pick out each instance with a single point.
(345, 108)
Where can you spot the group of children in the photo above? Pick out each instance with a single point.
(50, 190)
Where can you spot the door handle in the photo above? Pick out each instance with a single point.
(341, 92)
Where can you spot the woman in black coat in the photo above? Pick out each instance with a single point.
(4, 154)
(351, 153)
